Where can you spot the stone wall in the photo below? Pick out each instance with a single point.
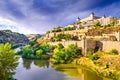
(66, 43)
(91, 45)
(86, 45)
(109, 45)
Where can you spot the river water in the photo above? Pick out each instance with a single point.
(42, 70)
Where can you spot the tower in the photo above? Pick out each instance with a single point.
(92, 15)
(78, 19)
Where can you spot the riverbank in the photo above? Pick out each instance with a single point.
(38, 69)
(106, 65)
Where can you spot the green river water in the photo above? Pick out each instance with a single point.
(42, 70)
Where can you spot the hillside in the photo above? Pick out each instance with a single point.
(13, 37)
(33, 37)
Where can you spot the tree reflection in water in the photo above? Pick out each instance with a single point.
(27, 63)
(39, 63)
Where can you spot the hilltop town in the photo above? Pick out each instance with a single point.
(98, 31)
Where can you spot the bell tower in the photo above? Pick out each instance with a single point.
(92, 15)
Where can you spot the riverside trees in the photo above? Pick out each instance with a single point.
(8, 62)
(65, 55)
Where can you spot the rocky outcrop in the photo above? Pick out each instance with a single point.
(13, 37)
(33, 37)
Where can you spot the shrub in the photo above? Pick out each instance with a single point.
(52, 39)
(39, 53)
(27, 51)
(45, 47)
(113, 38)
(62, 55)
(113, 52)
(68, 28)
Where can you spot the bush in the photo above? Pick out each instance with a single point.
(31, 43)
(27, 51)
(113, 38)
(58, 29)
(62, 55)
(59, 37)
(45, 47)
(39, 53)
(113, 52)
(68, 28)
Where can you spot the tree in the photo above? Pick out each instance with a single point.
(8, 61)
(57, 29)
(39, 53)
(114, 22)
(98, 25)
(45, 47)
(59, 55)
(27, 51)
(72, 51)
(65, 55)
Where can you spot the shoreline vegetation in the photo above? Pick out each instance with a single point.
(102, 63)
(8, 62)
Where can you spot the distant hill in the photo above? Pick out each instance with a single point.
(32, 37)
(13, 37)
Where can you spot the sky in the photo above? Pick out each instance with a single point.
(39, 16)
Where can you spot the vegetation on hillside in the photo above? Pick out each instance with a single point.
(99, 32)
(104, 64)
(62, 36)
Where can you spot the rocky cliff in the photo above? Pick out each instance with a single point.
(13, 37)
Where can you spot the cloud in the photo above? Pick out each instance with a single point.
(38, 16)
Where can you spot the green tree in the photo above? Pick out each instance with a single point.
(45, 47)
(72, 51)
(27, 51)
(114, 22)
(59, 55)
(8, 61)
(63, 36)
(98, 25)
(68, 28)
(39, 53)
(57, 29)
(65, 55)
(32, 42)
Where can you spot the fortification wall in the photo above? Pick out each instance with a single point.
(86, 45)
(66, 43)
(109, 45)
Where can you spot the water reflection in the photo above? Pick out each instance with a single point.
(76, 71)
(27, 63)
(39, 63)
(42, 70)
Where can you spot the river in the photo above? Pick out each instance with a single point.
(42, 70)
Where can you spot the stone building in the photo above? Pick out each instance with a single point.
(86, 24)
(91, 20)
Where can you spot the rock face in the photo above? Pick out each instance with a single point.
(33, 37)
(13, 37)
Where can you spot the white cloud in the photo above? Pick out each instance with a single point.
(13, 26)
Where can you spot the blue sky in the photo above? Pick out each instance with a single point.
(38, 16)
